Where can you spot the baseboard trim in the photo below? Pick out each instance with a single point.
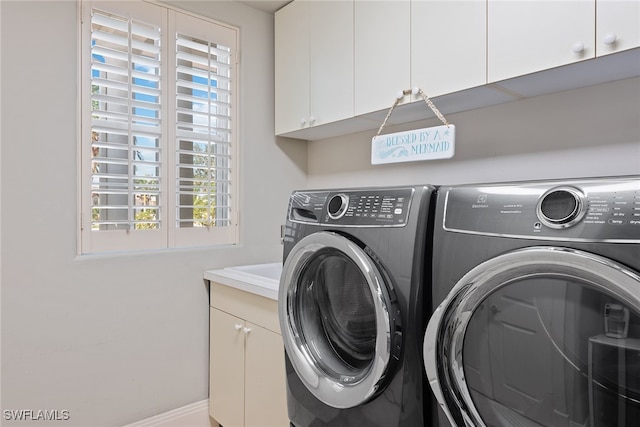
(173, 415)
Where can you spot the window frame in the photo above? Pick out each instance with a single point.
(169, 234)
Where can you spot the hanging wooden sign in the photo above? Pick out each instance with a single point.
(432, 143)
(421, 144)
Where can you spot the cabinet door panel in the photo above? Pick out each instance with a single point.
(382, 53)
(226, 371)
(292, 67)
(448, 45)
(527, 36)
(265, 397)
(620, 19)
(331, 61)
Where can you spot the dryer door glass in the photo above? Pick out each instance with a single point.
(543, 337)
(337, 319)
(536, 348)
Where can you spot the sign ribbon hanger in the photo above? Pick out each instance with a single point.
(414, 91)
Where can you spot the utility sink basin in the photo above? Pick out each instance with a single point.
(259, 279)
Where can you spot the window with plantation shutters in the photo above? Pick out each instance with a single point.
(158, 148)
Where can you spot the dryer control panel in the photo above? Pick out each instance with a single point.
(606, 209)
(352, 208)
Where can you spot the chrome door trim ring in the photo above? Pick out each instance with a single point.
(444, 337)
(328, 390)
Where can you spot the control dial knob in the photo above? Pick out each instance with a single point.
(337, 206)
(561, 207)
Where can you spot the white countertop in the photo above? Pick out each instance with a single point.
(259, 279)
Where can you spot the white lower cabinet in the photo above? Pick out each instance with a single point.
(247, 375)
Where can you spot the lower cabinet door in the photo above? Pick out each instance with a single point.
(226, 375)
(265, 389)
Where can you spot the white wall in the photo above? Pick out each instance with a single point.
(112, 339)
(593, 131)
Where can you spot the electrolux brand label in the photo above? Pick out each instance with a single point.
(421, 144)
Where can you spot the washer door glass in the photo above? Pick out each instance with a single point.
(335, 319)
(334, 309)
(541, 337)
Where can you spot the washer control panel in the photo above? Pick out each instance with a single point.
(365, 208)
(606, 209)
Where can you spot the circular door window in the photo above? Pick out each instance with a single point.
(539, 337)
(335, 317)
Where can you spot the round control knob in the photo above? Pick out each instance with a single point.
(337, 206)
(561, 207)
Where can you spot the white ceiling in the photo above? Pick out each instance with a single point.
(269, 6)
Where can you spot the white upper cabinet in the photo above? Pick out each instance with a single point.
(331, 57)
(448, 45)
(527, 36)
(617, 25)
(382, 53)
(340, 64)
(291, 67)
(313, 64)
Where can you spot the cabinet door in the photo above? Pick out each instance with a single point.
(292, 67)
(528, 36)
(617, 25)
(265, 396)
(331, 61)
(226, 370)
(448, 45)
(382, 53)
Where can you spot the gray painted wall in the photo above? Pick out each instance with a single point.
(113, 339)
(592, 131)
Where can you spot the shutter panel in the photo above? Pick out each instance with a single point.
(126, 129)
(203, 133)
